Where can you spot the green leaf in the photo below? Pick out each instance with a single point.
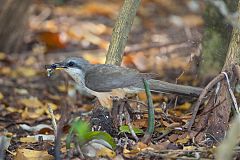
(81, 129)
(126, 129)
(101, 135)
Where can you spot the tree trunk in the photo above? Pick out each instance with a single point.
(120, 32)
(13, 18)
(216, 38)
(217, 120)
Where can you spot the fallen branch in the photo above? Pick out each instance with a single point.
(142, 47)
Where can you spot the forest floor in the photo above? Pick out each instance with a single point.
(165, 39)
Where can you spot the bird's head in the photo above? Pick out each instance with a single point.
(74, 66)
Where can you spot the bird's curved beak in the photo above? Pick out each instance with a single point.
(56, 66)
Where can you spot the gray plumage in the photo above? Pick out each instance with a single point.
(102, 77)
(111, 77)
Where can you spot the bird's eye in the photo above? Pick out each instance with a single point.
(70, 64)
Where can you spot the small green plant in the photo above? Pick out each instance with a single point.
(83, 134)
(125, 129)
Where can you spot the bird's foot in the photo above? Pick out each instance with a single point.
(115, 98)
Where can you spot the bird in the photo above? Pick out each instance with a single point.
(105, 81)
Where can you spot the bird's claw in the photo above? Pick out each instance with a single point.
(115, 98)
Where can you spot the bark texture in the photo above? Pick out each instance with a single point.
(216, 38)
(120, 31)
(217, 120)
(13, 18)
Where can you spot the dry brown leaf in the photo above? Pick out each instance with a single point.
(142, 96)
(27, 154)
(5, 70)
(28, 139)
(106, 152)
(53, 40)
(160, 146)
(33, 113)
(1, 96)
(52, 105)
(184, 107)
(189, 148)
(13, 109)
(32, 102)
(26, 71)
(138, 148)
(173, 137)
(95, 8)
(183, 140)
(193, 20)
(30, 61)
(140, 123)
(2, 56)
(35, 138)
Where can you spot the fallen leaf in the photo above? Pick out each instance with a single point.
(160, 146)
(189, 148)
(1, 96)
(184, 107)
(32, 102)
(2, 56)
(139, 147)
(21, 91)
(96, 148)
(5, 70)
(28, 139)
(52, 105)
(53, 40)
(184, 140)
(140, 123)
(173, 137)
(35, 128)
(26, 71)
(106, 152)
(36, 138)
(33, 113)
(27, 154)
(13, 109)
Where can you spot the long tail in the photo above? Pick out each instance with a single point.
(160, 86)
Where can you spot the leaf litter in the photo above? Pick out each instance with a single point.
(26, 90)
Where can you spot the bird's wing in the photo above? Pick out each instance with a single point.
(110, 77)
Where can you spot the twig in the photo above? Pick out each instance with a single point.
(212, 108)
(80, 151)
(231, 93)
(53, 120)
(201, 97)
(163, 135)
(130, 126)
(139, 102)
(142, 47)
(151, 118)
(57, 135)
